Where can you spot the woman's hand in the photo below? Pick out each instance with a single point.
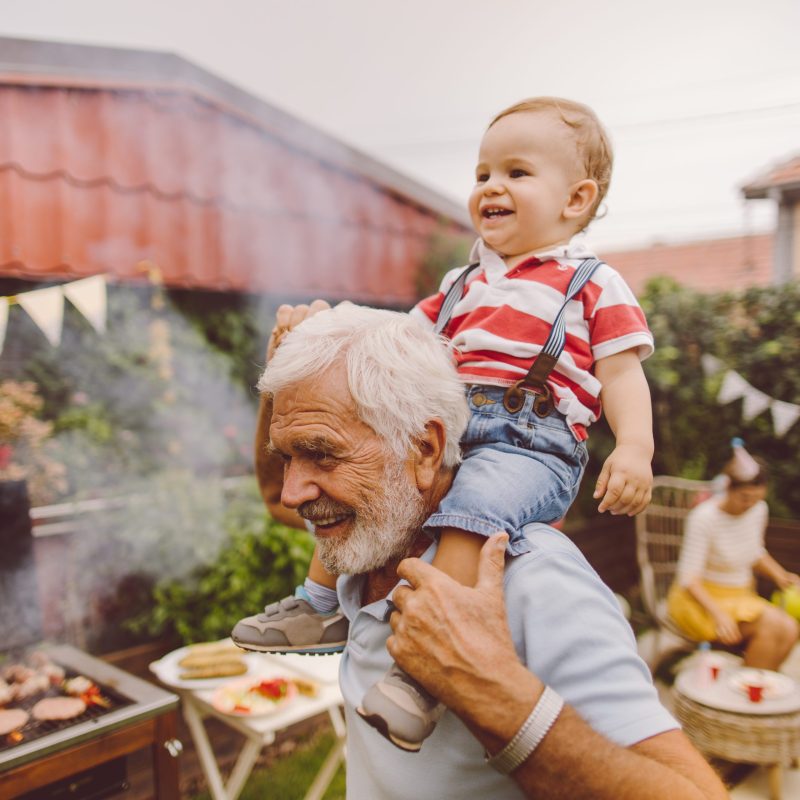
(727, 628)
(787, 580)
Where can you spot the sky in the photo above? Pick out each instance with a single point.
(699, 96)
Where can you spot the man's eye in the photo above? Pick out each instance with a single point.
(325, 460)
(518, 173)
(482, 177)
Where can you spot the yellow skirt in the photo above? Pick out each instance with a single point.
(741, 602)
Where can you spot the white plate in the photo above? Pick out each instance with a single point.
(775, 684)
(722, 695)
(168, 671)
(237, 699)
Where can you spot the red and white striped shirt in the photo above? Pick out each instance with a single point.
(502, 322)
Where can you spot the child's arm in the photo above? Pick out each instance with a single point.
(626, 478)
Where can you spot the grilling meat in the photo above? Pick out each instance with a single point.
(58, 708)
(12, 719)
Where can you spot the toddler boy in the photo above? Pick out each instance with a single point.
(541, 333)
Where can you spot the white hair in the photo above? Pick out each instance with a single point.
(400, 375)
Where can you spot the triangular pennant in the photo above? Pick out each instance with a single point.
(3, 320)
(89, 297)
(46, 309)
(784, 415)
(755, 403)
(711, 364)
(733, 387)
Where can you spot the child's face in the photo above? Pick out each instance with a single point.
(528, 166)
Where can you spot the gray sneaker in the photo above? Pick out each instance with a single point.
(292, 626)
(401, 710)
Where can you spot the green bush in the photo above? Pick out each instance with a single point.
(754, 332)
(261, 561)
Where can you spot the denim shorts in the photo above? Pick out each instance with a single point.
(517, 468)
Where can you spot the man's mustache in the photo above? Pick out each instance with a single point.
(323, 508)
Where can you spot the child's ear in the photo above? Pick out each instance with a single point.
(428, 453)
(581, 198)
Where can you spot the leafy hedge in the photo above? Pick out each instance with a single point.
(756, 333)
(259, 562)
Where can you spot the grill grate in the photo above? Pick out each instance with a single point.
(36, 729)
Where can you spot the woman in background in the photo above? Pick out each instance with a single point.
(714, 597)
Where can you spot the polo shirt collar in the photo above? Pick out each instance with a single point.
(350, 589)
(493, 264)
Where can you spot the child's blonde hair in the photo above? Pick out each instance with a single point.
(590, 136)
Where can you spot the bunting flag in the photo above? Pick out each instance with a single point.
(754, 402)
(46, 308)
(733, 387)
(3, 320)
(784, 415)
(89, 297)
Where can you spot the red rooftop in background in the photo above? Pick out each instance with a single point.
(110, 158)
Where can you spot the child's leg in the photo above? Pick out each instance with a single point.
(458, 554)
(320, 587)
(318, 573)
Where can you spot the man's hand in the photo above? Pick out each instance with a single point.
(453, 639)
(288, 317)
(625, 482)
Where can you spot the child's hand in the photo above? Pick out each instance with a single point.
(288, 317)
(625, 481)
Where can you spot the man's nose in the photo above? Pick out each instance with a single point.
(298, 484)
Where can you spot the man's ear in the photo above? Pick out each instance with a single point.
(581, 198)
(428, 453)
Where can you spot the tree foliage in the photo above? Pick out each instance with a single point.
(754, 332)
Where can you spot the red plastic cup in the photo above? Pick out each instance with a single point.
(755, 691)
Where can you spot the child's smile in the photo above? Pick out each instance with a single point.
(522, 201)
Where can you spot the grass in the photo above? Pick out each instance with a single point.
(289, 777)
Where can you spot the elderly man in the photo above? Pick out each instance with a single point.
(366, 414)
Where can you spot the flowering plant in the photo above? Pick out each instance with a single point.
(25, 443)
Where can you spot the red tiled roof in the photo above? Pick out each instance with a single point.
(99, 172)
(783, 175)
(713, 265)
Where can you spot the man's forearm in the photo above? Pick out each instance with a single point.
(574, 761)
(269, 469)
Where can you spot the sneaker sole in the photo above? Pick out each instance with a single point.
(379, 723)
(303, 650)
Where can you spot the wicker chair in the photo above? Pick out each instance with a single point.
(659, 535)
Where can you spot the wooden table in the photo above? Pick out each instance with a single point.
(261, 731)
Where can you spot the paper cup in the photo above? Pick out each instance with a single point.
(715, 666)
(755, 691)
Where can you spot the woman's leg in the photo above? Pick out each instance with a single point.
(769, 639)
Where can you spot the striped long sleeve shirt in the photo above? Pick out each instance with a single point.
(722, 548)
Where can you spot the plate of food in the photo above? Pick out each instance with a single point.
(254, 698)
(206, 665)
(762, 683)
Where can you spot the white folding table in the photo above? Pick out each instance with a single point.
(261, 731)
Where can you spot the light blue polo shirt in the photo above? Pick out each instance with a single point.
(568, 629)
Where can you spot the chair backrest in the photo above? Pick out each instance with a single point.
(659, 535)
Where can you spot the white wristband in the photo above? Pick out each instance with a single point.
(528, 737)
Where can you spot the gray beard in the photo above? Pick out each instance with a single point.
(382, 530)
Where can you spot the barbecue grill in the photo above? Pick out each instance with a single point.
(139, 714)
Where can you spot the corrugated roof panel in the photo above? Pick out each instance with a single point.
(98, 180)
(714, 265)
